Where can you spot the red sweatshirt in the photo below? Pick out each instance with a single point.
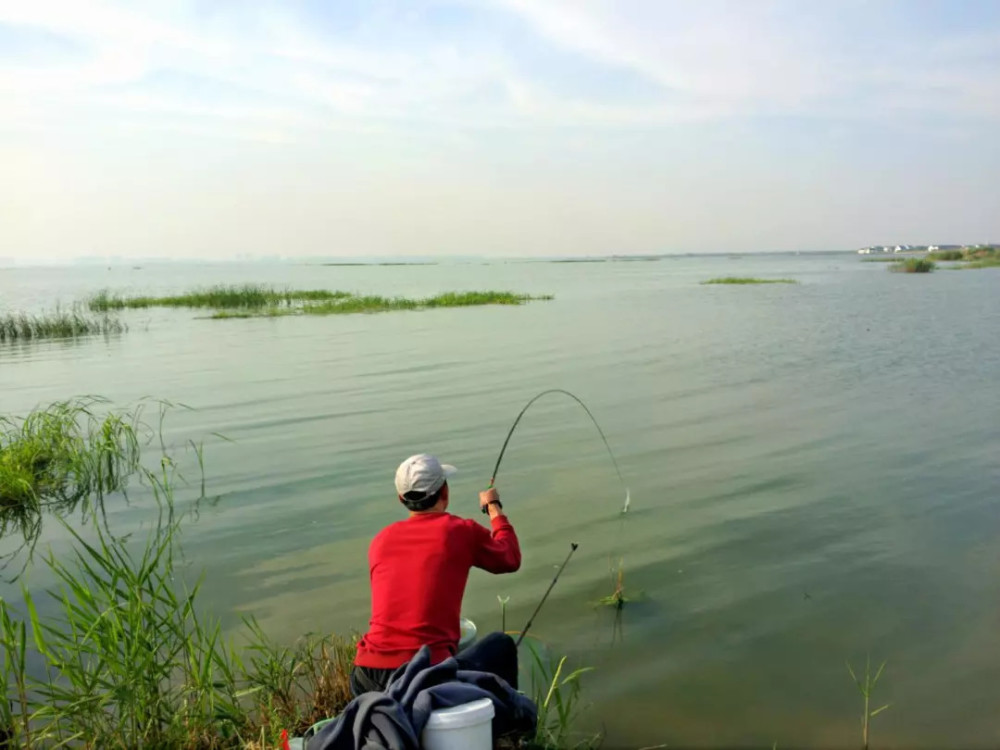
(419, 568)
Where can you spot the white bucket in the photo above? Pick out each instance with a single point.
(466, 727)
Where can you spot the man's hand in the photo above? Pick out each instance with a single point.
(489, 502)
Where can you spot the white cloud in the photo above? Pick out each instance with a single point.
(178, 119)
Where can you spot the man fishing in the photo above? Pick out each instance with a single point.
(419, 568)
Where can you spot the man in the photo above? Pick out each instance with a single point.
(419, 568)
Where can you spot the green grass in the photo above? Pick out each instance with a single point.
(126, 657)
(555, 689)
(15, 327)
(866, 687)
(748, 280)
(61, 458)
(913, 265)
(981, 253)
(372, 304)
(946, 255)
(246, 296)
(984, 263)
(890, 259)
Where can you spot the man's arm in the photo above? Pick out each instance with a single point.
(499, 551)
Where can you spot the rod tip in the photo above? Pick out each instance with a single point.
(574, 545)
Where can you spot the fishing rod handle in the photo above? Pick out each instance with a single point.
(486, 508)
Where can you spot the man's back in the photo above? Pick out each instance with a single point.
(419, 568)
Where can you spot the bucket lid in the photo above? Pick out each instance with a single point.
(466, 715)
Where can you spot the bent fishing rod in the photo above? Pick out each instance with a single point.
(573, 545)
(510, 433)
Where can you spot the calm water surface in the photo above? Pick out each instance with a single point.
(813, 471)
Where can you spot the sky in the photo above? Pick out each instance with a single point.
(385, 128)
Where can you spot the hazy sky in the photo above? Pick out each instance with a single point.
(211, 128)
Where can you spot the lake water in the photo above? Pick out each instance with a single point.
(813, 471)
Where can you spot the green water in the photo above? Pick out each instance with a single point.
(813, 471)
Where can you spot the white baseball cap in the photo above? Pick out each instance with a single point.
(422, 473)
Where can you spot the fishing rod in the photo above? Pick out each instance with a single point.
(513, 427)
(524, 631)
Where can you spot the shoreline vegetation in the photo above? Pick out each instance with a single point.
(122, 652)
(747, 280)
(972, 257)
(913, 265)
(979, 256)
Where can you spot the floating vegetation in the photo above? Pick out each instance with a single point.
(57, 325)
(913, 265)
(349, 304)
(748, 280)
(246, 296)
(620, 596)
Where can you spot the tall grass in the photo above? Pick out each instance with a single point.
(946, 255)
(748, 280)
(127, 658)
(56, 325)
(972, 257)
(984, 252)
(913, 265)
(555, 689)
(984, 263)
(249, 296)
(350, 304)
(60, 458)
(866, 687)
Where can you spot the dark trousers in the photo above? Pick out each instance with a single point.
(495, 653)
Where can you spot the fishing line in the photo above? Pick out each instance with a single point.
(513, 427)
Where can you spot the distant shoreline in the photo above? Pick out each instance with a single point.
(138, 264)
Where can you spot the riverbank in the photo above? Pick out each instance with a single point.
(126, 654)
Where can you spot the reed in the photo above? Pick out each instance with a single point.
(913, 265)
(556, 691)
(748, 280)
(866, 688)
(128, 659)
(984, 262)
(245, 296)
(63, 457)
(946, 255)
(60, 324)
(353, 304)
